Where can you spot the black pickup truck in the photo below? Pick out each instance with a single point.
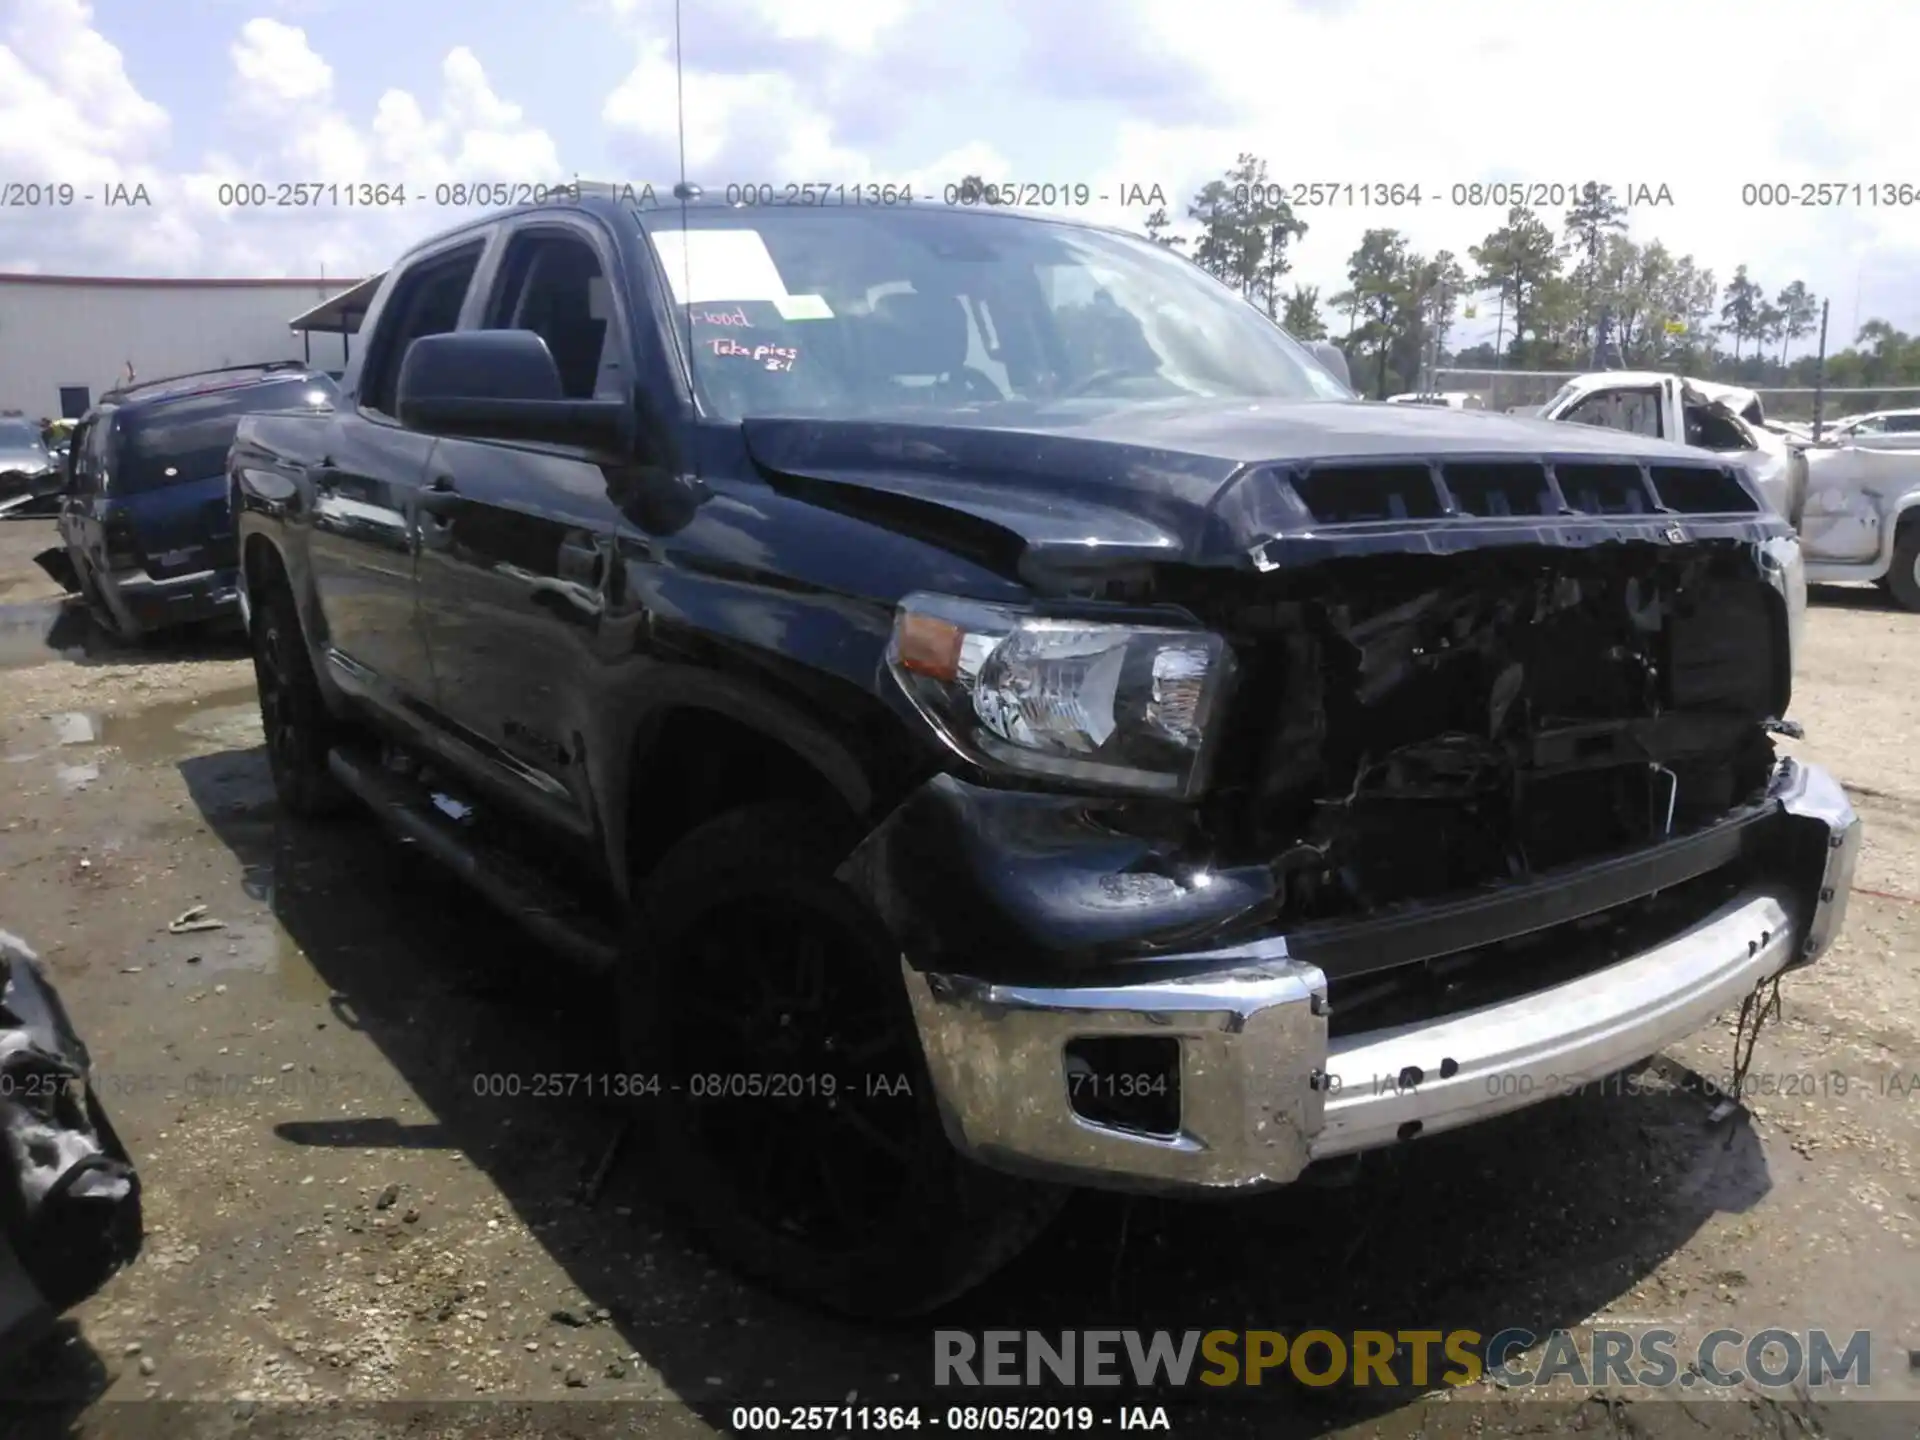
(1008, 718)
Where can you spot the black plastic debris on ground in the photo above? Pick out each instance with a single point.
(69, 1197)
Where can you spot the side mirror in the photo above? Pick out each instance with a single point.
(1334, 359)
(503, 385)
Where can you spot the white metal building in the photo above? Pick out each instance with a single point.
(66, 338)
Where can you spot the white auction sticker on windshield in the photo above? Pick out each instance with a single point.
(803, 307)
(708, 265)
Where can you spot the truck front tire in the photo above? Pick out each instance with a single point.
(793, 1115)
(293, 715)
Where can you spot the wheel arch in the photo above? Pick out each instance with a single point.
(720, 743)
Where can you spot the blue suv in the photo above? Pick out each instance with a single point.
(146, 532)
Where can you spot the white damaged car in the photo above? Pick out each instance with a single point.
(1861, 517)
(1725, 419)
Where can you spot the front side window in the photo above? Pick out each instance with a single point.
(553, 285)
(933, 313)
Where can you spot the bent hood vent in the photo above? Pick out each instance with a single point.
(1343, 493)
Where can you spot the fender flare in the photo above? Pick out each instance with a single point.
(1890, 526)
(782, 722)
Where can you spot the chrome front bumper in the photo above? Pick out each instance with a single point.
(1264, 1091)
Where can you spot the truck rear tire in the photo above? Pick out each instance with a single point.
(794, 1115)
(1903, 578)
(293, 715)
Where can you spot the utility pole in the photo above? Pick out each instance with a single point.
(1820, 375)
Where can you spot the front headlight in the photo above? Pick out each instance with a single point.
(1115, 706)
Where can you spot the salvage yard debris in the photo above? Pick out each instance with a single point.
(192, 922)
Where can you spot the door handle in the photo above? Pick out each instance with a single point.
(583, 562)
(439, 496)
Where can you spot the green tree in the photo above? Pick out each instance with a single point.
(1740, 314)
(1518, 262)
(1246, 231)
(1216, 249)
(1377, 270)
(1630, 278)
(1301, 317)
(1447, 286)
(1799, 309)
(1594, 217)
(1769, 325)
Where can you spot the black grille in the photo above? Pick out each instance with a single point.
(1353, 493)
(1696, 490)
(1605, 489)
(1496, 488)
(1350, 494)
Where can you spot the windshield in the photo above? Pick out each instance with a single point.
(187, 439)
(1561, 396)
(832, 311)
(19, 435)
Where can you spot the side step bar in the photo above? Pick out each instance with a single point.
(532, 902)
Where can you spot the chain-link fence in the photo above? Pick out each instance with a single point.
(1530, 389)
(1505, 389)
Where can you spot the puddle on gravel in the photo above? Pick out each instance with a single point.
(72, 778)
(36, 632)
(226, 719)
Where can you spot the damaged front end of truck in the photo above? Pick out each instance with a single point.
(1488, 805)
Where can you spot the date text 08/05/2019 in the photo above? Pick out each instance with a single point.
(962, 1419)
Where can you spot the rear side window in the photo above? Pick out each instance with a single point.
(187, 439)
(1635, 411)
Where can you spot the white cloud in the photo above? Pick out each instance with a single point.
(69, 110)
(1698, 98)
(276, 69)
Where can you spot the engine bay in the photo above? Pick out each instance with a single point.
(1412, 726)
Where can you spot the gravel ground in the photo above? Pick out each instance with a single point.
(339, 1212)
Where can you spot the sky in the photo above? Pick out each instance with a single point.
(1687, 104)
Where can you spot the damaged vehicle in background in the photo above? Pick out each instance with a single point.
(146, 538)
(1861, 518)
(29, 477)
(1008, 718)
(1878, 429)
(1705, 414)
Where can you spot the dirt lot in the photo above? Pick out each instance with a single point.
(338, 1211)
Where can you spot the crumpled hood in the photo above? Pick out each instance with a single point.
(24, 458)
(1144, 482)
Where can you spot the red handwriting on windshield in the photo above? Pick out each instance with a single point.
(772, 357)
(734, 319)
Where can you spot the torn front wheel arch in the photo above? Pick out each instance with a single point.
(58, 565)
